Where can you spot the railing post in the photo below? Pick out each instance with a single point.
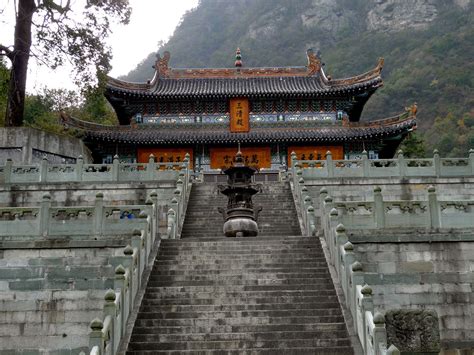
(96, 336)
(98, 213)
(151, 167)
(356, 278)
(187, 161)
(171, 232)
(367, 305)
(182, 177)
(365, 164)
(349, 259)
(311, 221)
(43, 169)
(176, 204)
(8, 170)
(401, 164)
(153, 202)
(120, 283)
(299, 188)
(293, 158)
(110, 309)
(471, 160)
(435, 217)
(393, 350)
(340, 239)
(380, 333)
(436, 163)
(79, 167)
(330, 164)
(379, 209)
(44, 215)
(115, 168)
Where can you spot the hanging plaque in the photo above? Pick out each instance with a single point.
(256, 157)
(239, 115)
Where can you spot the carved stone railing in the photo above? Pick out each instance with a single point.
(97, 220)
(400, 167)
(107, 331)
(378, 213)
(364, 215)
(179, 203)
(80, 172)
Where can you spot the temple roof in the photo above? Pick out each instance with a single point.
(261, 132)
(169, 83)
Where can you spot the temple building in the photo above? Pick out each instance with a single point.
(269, 111)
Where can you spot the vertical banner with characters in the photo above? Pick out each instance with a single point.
(239, 115)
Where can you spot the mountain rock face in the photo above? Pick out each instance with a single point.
(327, 15)
(398, 15)
(427, 45)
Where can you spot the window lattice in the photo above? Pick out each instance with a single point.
(256, 106)
(163, 108)
(280, 106)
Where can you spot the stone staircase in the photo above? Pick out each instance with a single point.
(278, 217)
(270, 295)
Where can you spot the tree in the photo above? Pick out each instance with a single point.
(60, 35)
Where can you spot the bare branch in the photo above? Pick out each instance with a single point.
(7, 52)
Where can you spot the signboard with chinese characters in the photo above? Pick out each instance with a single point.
(165, 155)
(256, 157)
(239, 115)
(315, 152)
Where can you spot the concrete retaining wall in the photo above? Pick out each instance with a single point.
(29, 145)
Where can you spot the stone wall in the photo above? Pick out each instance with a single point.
(437, 275)
(29, 145)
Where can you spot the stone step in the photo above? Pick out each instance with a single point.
(243, 295)
(334, 350)
(239, 282)
(165, 266)
(148, 312)
(148, 335)
(157, 306)
(238, 344)
(233, 278)
(210, 322)
(228, 248)
(311, 327)
(249, 273)
(189, 300)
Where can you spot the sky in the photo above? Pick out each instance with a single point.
(151, 21)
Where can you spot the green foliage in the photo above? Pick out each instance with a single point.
(413, 146)
(43, 109)
(453, 137)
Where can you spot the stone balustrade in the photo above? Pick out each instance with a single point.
(97, 220)
(400, 167)
(107, 331)
(378, 213)
(80, 172)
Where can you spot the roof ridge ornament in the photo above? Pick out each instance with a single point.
(314, 61)
(380, 64)
(238, 58)
(161, 64)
